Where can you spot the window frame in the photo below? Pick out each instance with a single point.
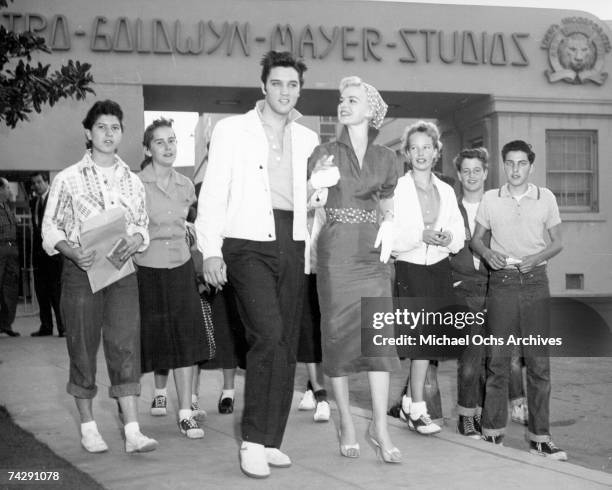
(592, 141)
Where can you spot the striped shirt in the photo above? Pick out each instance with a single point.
(82, 191)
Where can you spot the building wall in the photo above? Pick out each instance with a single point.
(403, 49)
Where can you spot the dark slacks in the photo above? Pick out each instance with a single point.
(48, 287)
(268, 279)
(9, 284)
(517, 304)
(111, 313)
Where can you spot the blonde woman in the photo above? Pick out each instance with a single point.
(360, 177)
(428, 228)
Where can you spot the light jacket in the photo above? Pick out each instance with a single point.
(235, 197)
(408, 223)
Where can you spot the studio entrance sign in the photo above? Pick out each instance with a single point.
(406, 45)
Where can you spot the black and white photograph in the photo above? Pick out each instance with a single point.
(352, 244)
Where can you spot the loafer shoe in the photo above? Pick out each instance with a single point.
(277, 458)
(225, 405)
(253, 461)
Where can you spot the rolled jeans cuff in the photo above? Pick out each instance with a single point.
(466, 412)
(80, 392)
(126, 389)
(538, 437)
(493, 432)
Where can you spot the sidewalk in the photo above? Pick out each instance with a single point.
(33, 375)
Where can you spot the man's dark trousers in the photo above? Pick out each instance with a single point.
(268, 278)
(48, 287)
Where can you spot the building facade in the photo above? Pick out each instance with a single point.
(487, 75)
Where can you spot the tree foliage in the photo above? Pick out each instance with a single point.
(25, 86)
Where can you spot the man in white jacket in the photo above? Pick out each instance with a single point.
(251, 228)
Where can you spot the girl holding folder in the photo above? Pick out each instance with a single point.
(100, 181)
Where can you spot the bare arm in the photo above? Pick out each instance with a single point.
(495, 260)
(554, 247)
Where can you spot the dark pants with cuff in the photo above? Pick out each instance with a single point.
(470, 365)
(518, 304)
(268, 280)
(111, 313)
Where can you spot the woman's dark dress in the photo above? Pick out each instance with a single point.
(349, 266)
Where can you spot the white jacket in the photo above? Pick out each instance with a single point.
(235, 198)
(408, 244)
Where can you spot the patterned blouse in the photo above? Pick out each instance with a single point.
(82, 191)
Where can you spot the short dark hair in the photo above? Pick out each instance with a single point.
(518, 145)
(479, 153)
(102, 108)
(148, 136)
(273, 59)
(44, 175)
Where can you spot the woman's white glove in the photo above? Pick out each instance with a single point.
(384, 239)
(325, 177)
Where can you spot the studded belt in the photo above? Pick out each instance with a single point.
(351, 215)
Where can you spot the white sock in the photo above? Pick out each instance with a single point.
(131, 429)
(417, 409)
(184, 414)
(247, 444)
(90, 426)
(194, 398)
(161, 391)
(406, 402)
(228, 394)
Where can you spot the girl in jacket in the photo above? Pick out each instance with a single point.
(428, 227)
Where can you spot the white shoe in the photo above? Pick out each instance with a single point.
(253, 461)
(139, 443)
(277, 458)
(520, 414)
(322, 413)
(308, 401)
(92, 441)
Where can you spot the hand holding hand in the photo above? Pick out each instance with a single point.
(215, 272)
(384, 239)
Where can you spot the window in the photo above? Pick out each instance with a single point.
(571, 169)
(327, 129)
(574, 281)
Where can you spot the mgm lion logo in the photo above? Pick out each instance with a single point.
(576, 51)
